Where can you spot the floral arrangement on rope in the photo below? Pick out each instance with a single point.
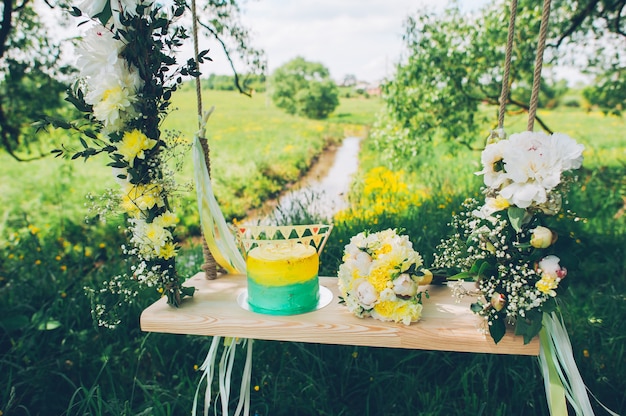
(380, 277)
(505, 244)
(127, 74)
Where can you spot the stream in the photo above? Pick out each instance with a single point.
(322, 191)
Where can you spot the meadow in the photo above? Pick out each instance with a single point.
(55, 361)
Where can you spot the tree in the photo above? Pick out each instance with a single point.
(34, 78)
(304, 88)
(31, 78)
(454, 65)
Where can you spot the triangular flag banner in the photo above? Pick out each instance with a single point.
(255, 235)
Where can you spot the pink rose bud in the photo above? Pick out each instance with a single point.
(498, 300)
(542, 237)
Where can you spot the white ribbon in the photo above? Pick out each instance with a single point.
(223, 247)
(225, 370)
(556, 352)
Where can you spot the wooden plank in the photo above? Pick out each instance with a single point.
(213, 310)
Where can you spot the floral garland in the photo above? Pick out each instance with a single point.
(127, 73)
(380, 277)
(505, 244)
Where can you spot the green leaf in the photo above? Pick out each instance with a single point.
(516, 217)
(476, 307)
(187, 290)
(49, 325)
(462, 276)
(497, 329)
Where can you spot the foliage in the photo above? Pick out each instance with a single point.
(29, 64)
(455, 65)
(77, 368)
(128, 72)
(253, 83)
(32, 61)
(304, 88)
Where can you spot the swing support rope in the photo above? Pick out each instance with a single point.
(541, 45)
(210, 265)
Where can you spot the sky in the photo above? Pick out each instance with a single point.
(350, 37)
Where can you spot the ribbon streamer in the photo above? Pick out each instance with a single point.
(219, 238)
(225, 370)
(223, 247)
(561, 376)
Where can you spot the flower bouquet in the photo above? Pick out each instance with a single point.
(380, 277)
(127, 74)
(505, 244)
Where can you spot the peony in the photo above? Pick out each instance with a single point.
(492, 161)
(403, 285)
(366, 294)
(98, 52)
(113, 95)
(541, 237)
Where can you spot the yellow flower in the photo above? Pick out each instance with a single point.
(385, 308)
(133, 145)
(141, 197)
(33, 230)
(167, 219)
(379, 278)
(168, 251)
(547, 284)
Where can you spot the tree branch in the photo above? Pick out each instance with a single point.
(576, 21)
(230, 61)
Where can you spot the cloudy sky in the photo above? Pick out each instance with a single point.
(356, 37)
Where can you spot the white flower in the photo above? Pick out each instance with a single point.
(567, 150)
(525, 194)
(113, 95)
(363, 263)
(491, 157)
(549, 266)
(366, 294)
(92, 7)
(403, 285)
(526, 167)
(98, 52)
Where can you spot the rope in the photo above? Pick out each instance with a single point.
(504, 94)
(534, 97)
(209, 266)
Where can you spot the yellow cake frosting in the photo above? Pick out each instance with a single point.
(282, 264)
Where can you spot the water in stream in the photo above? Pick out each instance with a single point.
(322, 191)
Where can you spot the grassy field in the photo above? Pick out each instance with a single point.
(55, 361)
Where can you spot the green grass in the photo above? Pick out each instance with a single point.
(54, 361)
